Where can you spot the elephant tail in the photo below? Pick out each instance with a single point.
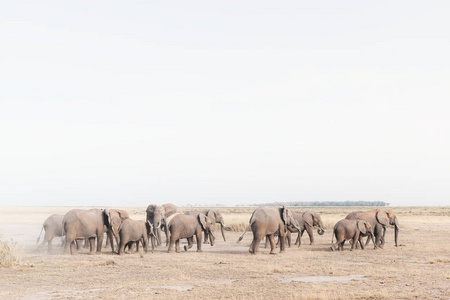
(242, 236)
(39, 237)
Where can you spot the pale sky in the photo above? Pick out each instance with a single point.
(127, 103)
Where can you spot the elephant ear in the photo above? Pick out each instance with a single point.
(151, 211)
(210, 213)
(202, 220)
(382, 218)
(308, 217)
(361, 226)
(107, 214)
(284, 214)
(169, 209)
(123, 214)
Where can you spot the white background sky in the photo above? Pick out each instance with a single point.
(125, 103)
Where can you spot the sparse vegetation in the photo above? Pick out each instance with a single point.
(9, 252)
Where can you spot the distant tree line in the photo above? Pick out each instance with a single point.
(325, 203)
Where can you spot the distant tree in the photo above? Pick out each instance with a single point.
(325, 203)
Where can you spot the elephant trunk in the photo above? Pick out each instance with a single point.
(397, 228)
(221, 229)
(212, 238)
(321, 230)
(152, 238)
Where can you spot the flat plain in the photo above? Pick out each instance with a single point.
(419, 268)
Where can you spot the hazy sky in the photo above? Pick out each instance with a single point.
(127, 103)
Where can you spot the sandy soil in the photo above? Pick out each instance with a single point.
(417, 269)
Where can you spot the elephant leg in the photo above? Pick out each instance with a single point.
(199, 242)
(206, 238)
(190, 243)
(360, 242)
(145, 244)
(92, 245)
(382, 237)
(121, 248)
(288, 238)
(254, 246)
(299, 238)
(67, 246)
(171, 242)
(99, 242)
(341, 245)
(137, 245)
(311, 235)
(272, 243)
(378, 238)
(177, 246)
(50, 246)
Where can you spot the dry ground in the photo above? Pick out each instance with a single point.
(418, 269)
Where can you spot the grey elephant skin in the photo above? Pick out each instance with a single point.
(135, 231)
(379, 219)
(53, 228)
(350, 230)
(84, 224)
(157, 215)
(186, 227)
(216, 217)
(307, 221)
(265, 221)
(115, 219)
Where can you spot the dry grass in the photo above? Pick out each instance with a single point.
(417, 269)
(9, 253)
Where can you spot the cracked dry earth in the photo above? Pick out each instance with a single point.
(418, 269)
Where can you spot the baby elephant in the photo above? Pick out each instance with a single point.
(350, 229)
(188, 226)
(132, 231)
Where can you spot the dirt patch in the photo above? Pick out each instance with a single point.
(323, 279)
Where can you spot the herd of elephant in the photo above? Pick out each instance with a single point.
(90, 225)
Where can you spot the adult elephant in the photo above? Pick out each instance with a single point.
(265, 221)
(157, 215)
(307, 221)
(53, 228)
(188, 226)
(379, 219)
(84, 224)
(115, 219)
(215, 216)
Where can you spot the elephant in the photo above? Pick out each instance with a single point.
(115, 219)
(133, 231)
(265, 221)
(186, 227)
(307, 221)
(157, 215)
(347, 229)
(84, 224)
(379, 219)
(53, 228)
(216, 217)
